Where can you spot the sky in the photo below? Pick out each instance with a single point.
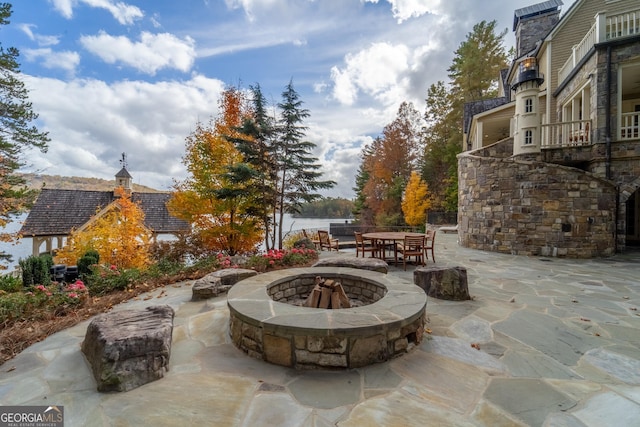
(108, 77)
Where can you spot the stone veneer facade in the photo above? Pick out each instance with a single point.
(523, 206)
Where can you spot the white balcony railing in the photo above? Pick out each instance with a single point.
(605, 28)
(629, 126)
(566, 134)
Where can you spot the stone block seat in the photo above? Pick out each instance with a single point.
(448, 283)
(370, 264)
(129, 348)
(218, 282)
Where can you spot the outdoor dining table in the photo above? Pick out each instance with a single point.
(388, 236)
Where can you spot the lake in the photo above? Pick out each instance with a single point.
(22, 249)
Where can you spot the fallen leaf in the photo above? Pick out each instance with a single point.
(427, 330)
(476, 346)
(513, 299)
(13, 368)
(584, 319)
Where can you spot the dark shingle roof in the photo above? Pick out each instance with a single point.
(58, 212)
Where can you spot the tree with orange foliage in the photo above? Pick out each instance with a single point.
(218, 204)
(388, 163)
(117, 233)
(415, 202)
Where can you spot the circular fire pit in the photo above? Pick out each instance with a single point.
(265, 324)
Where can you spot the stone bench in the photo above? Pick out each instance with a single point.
(449, 229)
(448, 283)
(218, 282)
(129, 348)
(370, 264)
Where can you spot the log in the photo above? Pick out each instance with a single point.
(325, 298)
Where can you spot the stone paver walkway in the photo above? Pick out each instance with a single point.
(543, 342)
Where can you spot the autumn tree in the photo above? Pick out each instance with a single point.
(218, 198)
(388, 163)
(254, 139)
(415, 201)
(16, 136)
(117, 233)
(297, 170)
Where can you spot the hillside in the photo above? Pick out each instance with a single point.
(58, 182)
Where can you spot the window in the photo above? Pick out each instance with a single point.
(528, 105)
(528, 137)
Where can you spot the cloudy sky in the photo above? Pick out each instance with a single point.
(135, 76)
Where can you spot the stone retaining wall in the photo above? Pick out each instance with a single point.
(528, 207)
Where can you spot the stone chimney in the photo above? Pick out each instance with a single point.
(532, 23)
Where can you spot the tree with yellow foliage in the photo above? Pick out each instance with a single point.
(220, 204)
(415, 202)
(118, 234)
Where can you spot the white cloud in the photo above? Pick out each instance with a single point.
(91, 122)
(124, 13)
(152, 53)
(64, 60)
(376, 71)
(406, 9)
(38, 38)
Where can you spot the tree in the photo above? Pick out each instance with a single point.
(254, 139)
(16, 135)
(118, 234)
(474, 76)
(477, 63)
(388, 163)
(219, 198)
(297, 170)
(415, 202)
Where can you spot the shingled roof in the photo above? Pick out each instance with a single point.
(58, 212)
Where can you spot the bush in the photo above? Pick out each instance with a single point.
(90, 258)
(104, 279)
(36, 270)
(10, 283)
(281, 258)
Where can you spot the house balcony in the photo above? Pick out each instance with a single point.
(605, 28)
(566, 134)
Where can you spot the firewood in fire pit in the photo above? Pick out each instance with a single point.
(327, 294)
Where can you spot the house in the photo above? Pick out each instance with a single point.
(552, 166)
(56, 213)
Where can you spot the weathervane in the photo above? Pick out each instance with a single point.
(123, 161)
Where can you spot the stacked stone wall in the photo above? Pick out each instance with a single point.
(520, 207)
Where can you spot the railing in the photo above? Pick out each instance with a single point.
(566, 134)
(605, 28)
(578, 52)
(629, 125)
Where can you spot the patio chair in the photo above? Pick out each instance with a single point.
(429, 243)
(364, 245)
(412, 246)
(326, 241)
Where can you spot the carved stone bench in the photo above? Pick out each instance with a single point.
(218, 282)
(371, 264)
(448, 283)
(129, 348)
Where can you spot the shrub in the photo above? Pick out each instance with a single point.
(280, 258)
(90, 258)
(36, 270)
(10, 283)
(104, 279)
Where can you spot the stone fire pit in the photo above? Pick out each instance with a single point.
(388, 319)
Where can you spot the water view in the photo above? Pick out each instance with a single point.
(22, 249)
